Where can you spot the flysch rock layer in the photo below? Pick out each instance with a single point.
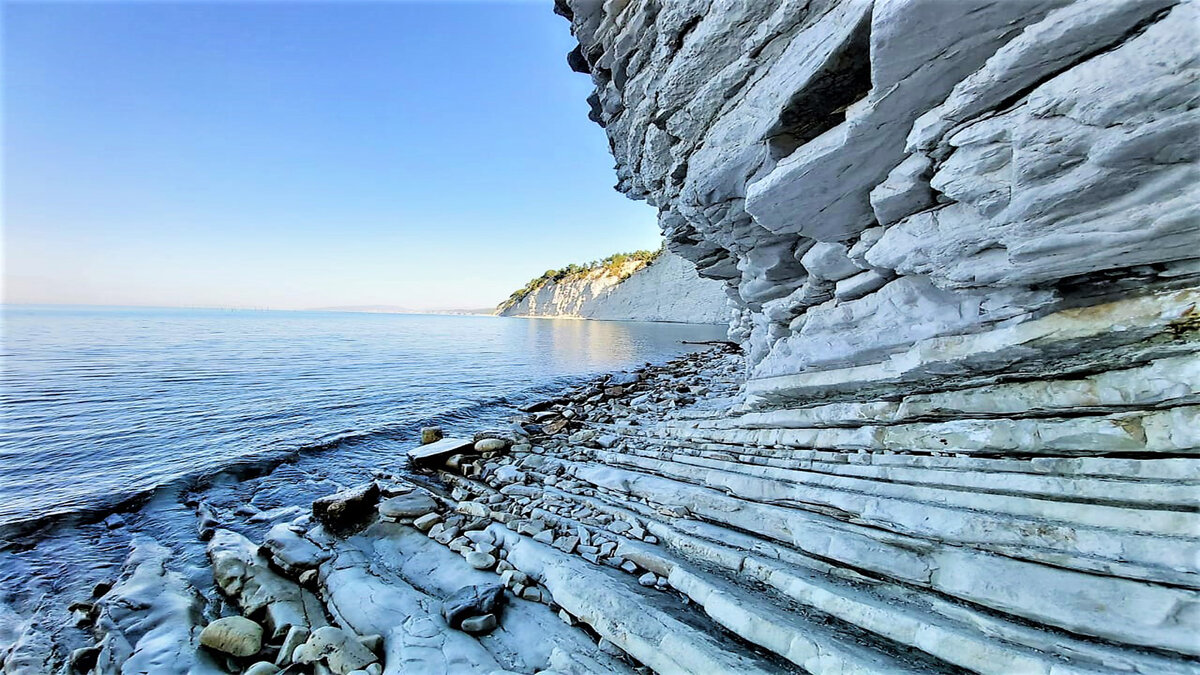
(963, 242)
(668, 289)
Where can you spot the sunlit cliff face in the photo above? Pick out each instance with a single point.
(837, 161)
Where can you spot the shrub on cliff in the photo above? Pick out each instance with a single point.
(615, 264)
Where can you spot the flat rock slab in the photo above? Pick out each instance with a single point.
(440, 450)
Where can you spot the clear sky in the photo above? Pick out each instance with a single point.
(299, 154)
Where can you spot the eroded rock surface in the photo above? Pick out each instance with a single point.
(963, 239)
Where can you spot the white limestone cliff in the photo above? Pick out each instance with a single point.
(667, 289)
(963, 241)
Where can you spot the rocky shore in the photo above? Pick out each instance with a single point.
(637, 524)
(501, 553)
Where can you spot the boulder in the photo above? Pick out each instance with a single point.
(431, 435)
(233, 635)
(471, 601)
(346, 510)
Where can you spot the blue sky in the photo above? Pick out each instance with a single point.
(299, 154)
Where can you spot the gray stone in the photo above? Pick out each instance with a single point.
(472, 601)
(347, 509)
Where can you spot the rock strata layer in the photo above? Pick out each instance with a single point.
(963, 242)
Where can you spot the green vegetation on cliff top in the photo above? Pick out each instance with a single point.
(613, 264)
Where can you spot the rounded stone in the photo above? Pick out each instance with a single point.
(478, 625)
(262, 668)
(490, 445)
(480, 560)
(233, 635)
(411, 505)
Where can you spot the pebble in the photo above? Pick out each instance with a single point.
(478, 625)
(647, 579)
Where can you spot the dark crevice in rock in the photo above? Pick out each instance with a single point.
(821, 105)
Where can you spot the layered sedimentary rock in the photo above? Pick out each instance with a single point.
(668, 289)
(963, 241)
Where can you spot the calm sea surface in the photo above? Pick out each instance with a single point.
(99, 404)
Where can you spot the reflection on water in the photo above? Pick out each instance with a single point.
(98, 404)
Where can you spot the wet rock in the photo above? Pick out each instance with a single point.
(243, 574)
(83, 660)
(438, 452)
(293, 552)
(233, 635)
(623, 379)
(148, 621)
(206, 521)
(344, 511)
(431, 435)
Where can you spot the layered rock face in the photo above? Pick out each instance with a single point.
(668, 289)
(963, 240)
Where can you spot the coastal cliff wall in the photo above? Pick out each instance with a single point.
(667, 289)
(963, 238)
